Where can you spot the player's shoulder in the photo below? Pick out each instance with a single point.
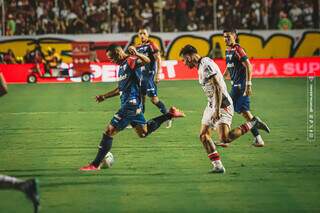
(238, 47)
(131, 60)
(205, 61)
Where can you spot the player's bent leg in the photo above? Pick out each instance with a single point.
(241, 130)
(156, 101)
(141, 130)
(104, 147)
(154, 123)
(143, 103)
(209, 146)
(258, 141)
(223, 134)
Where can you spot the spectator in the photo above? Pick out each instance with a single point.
(11, 26)
(295, 14)
(97, 16)
(284, 22)
(9, 57)
(307, 16)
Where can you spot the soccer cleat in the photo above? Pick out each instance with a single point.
(217, 167)
(260, 124)
(258, 142)
(90, 167)
(169, 124)
(30, 187)
(176, 113)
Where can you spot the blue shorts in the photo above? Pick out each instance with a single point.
(126, 116)
(149, 87)
(240, 103)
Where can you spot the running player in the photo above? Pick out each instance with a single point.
(131, 105)
(29, 187)
(219, 110)
(151, 72)
(240, 70)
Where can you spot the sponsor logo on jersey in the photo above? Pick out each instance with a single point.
(122, 77)
(229, 56)
(230, 65)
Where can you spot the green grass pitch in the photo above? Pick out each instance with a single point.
(49, 131)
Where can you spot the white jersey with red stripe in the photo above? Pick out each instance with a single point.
(206, 69)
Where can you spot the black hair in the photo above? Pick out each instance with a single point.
(112, 48)
(232, 30)
(188, 49)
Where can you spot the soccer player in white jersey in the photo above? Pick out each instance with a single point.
(219, 110)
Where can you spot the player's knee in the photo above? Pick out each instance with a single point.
(232, 135)
(155, 100)
(110, 131)
(223, 138)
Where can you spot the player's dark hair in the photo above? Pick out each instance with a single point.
(112, 47)
(112, 51)
(232, 30)
(188, 49)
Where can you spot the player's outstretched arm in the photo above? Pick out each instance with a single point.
(112, 93)
(248, 66)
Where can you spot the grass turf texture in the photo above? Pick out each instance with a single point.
(49, 131)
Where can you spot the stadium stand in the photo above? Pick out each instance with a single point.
(30, 17)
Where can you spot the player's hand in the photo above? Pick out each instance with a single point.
(216, 116)
(157, 79)
(248, 91)
(100, 98)
(132, 50)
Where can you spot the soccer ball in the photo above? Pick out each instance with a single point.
(107, 161)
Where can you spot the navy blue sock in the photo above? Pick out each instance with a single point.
(162, 107)
(143, 108)
(154, 123)
(104, 147)
(255, 131)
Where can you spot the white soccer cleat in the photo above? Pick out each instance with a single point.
(169, 124)
(258, 142)
(217, 167)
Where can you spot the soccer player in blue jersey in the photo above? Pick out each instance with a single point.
(240, 70)
(130, 111)
(151, 72)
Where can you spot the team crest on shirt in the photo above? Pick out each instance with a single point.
(229, 56)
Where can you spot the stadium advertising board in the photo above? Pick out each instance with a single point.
(176, 70)
(258, 44)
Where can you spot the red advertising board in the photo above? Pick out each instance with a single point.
(176, 70)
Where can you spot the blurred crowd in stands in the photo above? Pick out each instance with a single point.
(30, 17)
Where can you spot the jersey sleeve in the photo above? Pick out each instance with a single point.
(153, 47)
(209, 71)
(134, 62)
(241, 54)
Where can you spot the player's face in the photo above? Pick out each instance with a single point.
(143, 35)
(189, 61)
(115, 56)
(229, 38)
